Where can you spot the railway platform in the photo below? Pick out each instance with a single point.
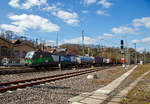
(105, 95)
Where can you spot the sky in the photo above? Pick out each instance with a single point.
(104, 22)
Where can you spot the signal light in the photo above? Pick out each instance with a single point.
(121, 41)
(122, 44)
(121, 47)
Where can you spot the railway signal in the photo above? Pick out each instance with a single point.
(122, 46)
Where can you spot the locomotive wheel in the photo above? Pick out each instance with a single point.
(46, 67)
(37, 67)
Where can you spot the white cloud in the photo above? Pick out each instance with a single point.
(12, 28)
(14, 3)
(108, 35)
(85, 11)
(145, 21)
(87, 40)
(50, 8)
(88, 2)
(105, 3)
(140, 49)
(24, 22)
(50, 43)
(68, 17)
(59, 4)
(100, 12)
(124, 30)
(146, 40)
(28, 4)
(101, 37)
(135, 41)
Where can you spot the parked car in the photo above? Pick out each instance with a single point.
(5, 61)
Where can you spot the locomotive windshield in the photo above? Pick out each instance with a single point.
(29, 54)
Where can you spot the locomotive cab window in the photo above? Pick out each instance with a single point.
(30, 54)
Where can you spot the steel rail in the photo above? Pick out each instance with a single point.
(33, 79)
(44, 79)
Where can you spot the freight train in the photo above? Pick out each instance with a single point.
(39, 59)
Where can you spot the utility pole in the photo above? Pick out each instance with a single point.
(103, 50)
(97, 50)
(43, 45)
(57, 40)
(144, 56)
(116, 56)
(126, 53)
(129, 57)
(135, 57)
(100, 48)
(36, 43)
(83, 42)
(88, 52)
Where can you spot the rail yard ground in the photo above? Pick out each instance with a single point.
(33, 73)
(57, 92)
(140, 94)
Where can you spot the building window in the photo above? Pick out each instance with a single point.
(4, 51)
(17, 54)
(23, 54)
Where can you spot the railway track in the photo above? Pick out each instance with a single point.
(15, 71)
(7, 71)
(35, 81)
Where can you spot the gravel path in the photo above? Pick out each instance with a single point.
(60, 91)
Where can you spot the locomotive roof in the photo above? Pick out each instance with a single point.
(55, 53)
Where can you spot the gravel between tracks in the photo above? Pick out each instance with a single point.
(36, 74)
(60, 91)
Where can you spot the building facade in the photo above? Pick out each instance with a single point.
(6, 48)
(14, 50)
(21, 49)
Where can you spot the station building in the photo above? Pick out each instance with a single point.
(14, 50)
(20, 48)
(6, 48)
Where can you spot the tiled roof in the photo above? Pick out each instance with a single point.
(5, 40)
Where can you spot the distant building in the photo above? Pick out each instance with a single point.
(20, 49)
(6, 48)
(15, 49)
(55, 50)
